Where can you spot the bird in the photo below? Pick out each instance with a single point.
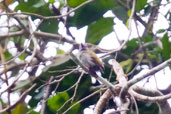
(90, 60)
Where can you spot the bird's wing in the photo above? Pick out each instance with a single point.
(96, 60)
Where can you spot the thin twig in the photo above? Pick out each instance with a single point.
(49, 17)
(27, 45)
(135, 103)
(117, 36)
(18, 20)
(75, 91)
(12, 34)
(16, 79)
(19, 100)
(130, 31)
(76, 86)
(83, 99)
(139, 62)
(59, 80)
(45, 96)
(5, 73)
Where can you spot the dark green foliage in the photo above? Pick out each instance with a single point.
(90, 15)
(98, 28)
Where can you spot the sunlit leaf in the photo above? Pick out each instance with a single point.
(23, 56)
(127, 22)
(127, 64)
(152, 56)
(129, 12)
(7, 55)
(51, 1)
(20, 109)
(33, 112)
(166, 47)
(60, 51)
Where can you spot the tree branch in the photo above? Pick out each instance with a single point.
(150, 72)
(145, 94)
(46, 35)
(152, 17)
(102, 101)
(12, 34)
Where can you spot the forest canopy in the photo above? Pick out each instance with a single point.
(32, 81)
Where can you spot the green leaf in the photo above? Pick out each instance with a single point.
(148, 38)
(20, 109)
(33, 112)
(62, 3)
(127, 22)
(22, 84)
(60, 63)
(161, 31)
(152, 55)
(75, 109)
(147, 10)
(34, 6)
(23, 56)
(90, 13)
(7, 55)
(57, 101)
(120, 13)
(33, 102)
(131, 46)
(50, 26)
(166, 47)
(96, 31)
(51, 1)
(60, 51)
(140, 4)
(74, 3)
(129, 12)
(127, 64)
